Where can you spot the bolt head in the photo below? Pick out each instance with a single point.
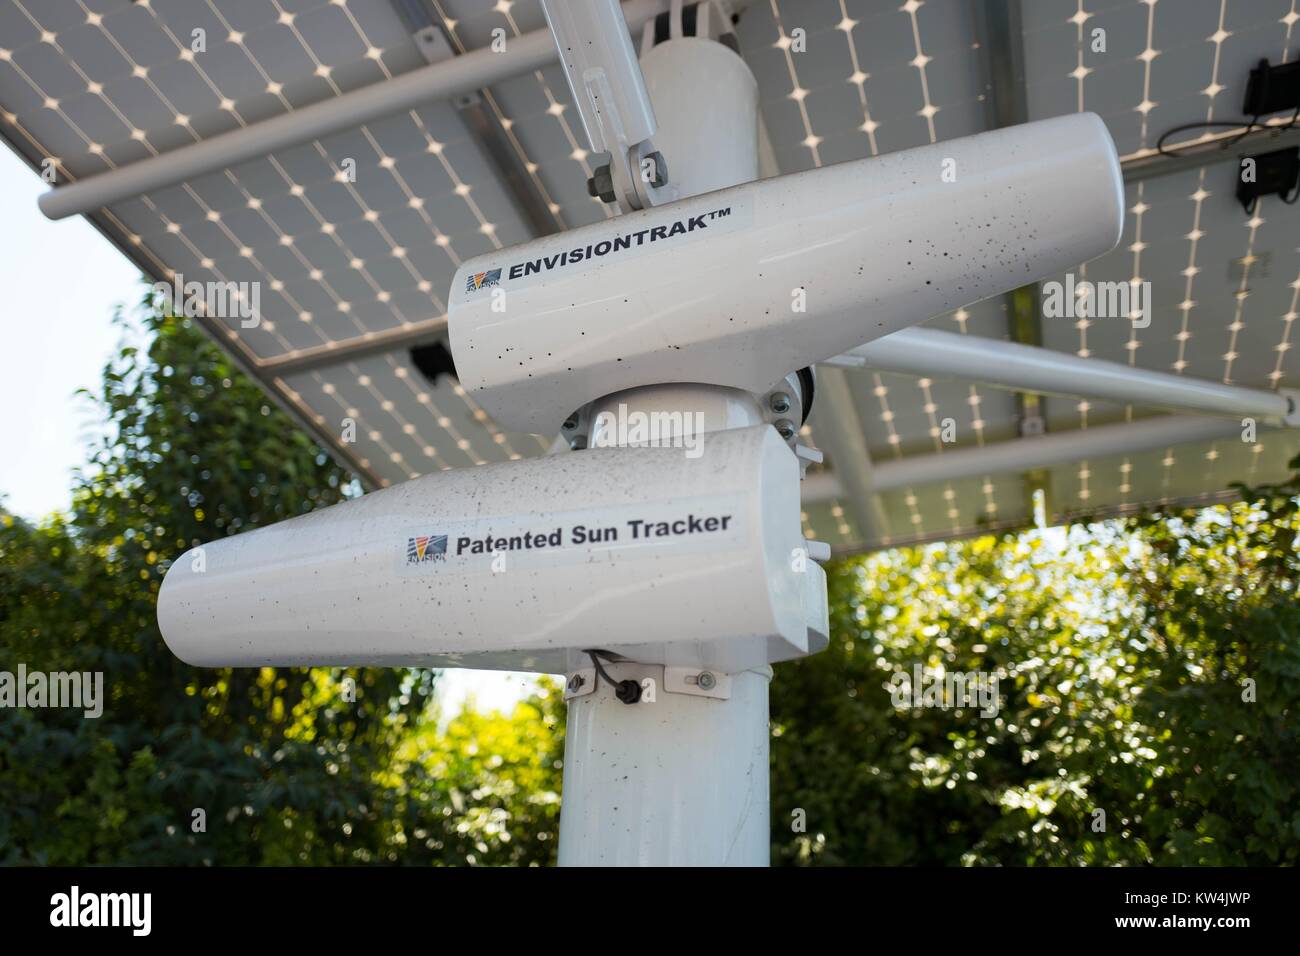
(660, 168)
(601, 184)
(706, 681)
(780, 403)
(576, 682)
(785, 428)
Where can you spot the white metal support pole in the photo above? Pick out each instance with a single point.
(682, 780)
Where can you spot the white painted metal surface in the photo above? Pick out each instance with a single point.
(934, 352)
(698, 409)
(604, 77)
(682, 781)
(720, 148)
(742, 285)
(649, 552)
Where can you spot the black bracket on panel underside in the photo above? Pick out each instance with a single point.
(433, 361)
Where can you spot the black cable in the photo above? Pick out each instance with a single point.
(1160, 143)
(628, 691)
(600, 671)
(1227, 144)
(1244, 133)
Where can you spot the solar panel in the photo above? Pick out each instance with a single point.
(354, 237)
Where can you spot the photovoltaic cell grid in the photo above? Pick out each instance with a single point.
(880, 77)
(97, 84)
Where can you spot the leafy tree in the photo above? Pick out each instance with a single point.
(284, 769)
(485, 788)
(1149, 678)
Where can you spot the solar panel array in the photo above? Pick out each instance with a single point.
(355, 237)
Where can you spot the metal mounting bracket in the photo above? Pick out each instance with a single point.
(580, 683)
(807, 455)
(697, 682)
(610, 93)
(1292, 416)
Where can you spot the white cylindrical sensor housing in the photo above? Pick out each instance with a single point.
(740, 286)
(687, 556)
(709, 140)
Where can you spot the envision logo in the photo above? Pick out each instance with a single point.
(103, 909)
(481, 280)
(426, 547)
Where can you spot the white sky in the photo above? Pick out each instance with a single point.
(59, 285)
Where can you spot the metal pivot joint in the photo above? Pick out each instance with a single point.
(610, 93)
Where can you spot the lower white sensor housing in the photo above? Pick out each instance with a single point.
(667, 555)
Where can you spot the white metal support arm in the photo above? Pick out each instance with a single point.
(609, 91)
(439, 81)
(1023, 454)
(934, 352)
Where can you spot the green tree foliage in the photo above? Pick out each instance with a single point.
(285, 769)
(1149, 678)
(484, 789)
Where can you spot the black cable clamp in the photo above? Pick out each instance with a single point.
(628, 691)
